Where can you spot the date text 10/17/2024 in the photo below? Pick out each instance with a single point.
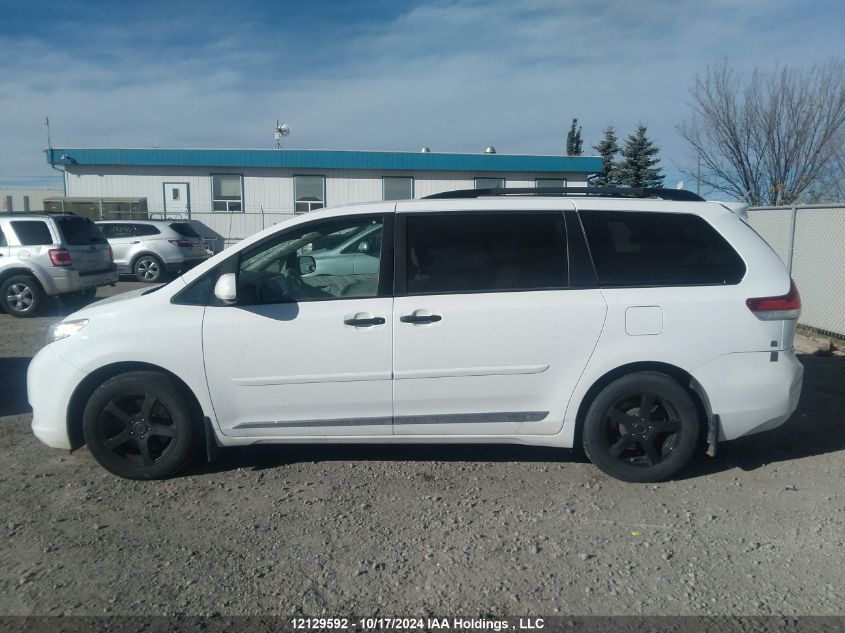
(410, 624)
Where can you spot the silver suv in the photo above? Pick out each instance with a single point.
(45, 255)
(149, 249)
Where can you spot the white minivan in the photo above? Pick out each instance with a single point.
(643, 326)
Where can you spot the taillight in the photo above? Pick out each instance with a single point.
(111, 254)
(780, 308)
(59, 257)
(182, 243)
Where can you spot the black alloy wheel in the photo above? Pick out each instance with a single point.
(139, 426)
(642, 427)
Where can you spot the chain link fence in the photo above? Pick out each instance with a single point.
(811, 242)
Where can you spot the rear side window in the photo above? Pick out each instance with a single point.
(485, 252)
(32, 232)
(184, 229)
(79, 231)
(3, 239)
(146, 229)
(659, 249)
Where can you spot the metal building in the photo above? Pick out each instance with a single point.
(235, 192)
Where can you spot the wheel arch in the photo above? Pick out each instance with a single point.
(138, 256)
(89, 384)
(20, 270)
(707, 420)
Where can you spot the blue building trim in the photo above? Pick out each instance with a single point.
(322, 159)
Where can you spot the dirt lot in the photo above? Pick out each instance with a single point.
(401, 531)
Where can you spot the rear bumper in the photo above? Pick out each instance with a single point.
(751, 392)
(68, 280)
(50, 382)
(185, 264)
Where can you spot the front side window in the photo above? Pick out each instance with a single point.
(336, 259)
(227, 192)
(658, 249)
(32, 232)
(485, 252)
(397, 188)
(309, 193)
(489, 183)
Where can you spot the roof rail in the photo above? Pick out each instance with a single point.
(604, 192)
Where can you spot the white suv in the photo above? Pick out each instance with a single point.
(639, 328)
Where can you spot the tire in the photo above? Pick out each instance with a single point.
(22, 296)
(148, 268)
(89, 293)
(139, 425)
(643, 427)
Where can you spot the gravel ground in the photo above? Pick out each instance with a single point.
(414, 530)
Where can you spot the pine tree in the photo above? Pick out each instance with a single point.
(638, 167)
(574, 144)
(608, 148)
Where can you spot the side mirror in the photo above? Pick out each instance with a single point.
(226, 288)
(364, 246)
(307, 264)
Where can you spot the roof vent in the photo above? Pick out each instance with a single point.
(425, 150)
(490, 150)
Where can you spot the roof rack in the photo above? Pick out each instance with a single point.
(604, 192)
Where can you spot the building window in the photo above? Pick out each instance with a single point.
(550, 182)
(26, 204)
(489, 183)
(309, 193)
(175, 193)
(397, 188)
(227, 192)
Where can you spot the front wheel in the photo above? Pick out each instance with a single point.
(148, 268)
(643, 427)
(21, 296)
(138, 425)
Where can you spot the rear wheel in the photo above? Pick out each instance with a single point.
(148, 268)
(138, 425)
(22, 296)
(643, 427)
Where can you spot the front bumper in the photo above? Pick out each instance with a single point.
(50, 383)
(753, 391)
(68, 280)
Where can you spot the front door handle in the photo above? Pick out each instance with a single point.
(364, 322)
(421, 318)
(135, 242)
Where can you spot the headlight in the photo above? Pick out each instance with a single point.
(65, 329)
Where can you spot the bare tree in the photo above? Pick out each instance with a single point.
(767, 138)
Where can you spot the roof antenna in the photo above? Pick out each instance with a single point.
(47, 123)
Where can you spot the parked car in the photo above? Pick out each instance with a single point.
(640, 325)
(49, 255)
(149, 249)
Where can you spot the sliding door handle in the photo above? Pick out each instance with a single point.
(364, 322)
(421, 318)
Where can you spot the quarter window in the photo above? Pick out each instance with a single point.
(337, 259)
(659, 249)
(485, 252)
(397, 188)
(309, 193)
(489, 183)
(32, 233)
(227, 192)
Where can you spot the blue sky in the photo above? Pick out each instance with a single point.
(456, 75)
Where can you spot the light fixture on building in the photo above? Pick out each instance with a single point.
(281, 132)
(425, 150)
(490, 150)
